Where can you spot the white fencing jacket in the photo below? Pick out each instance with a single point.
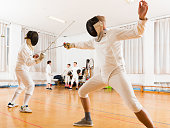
(25, 59)
(108, 50)
(48, 73)
(65, 73)
(74, 72)
(48, 70)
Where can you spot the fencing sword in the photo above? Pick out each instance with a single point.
(49, 47)
(52, 48)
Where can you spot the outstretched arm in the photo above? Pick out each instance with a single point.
(80, 45)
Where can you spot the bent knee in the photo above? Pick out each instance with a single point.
(20, 89)
(82, 93)
(30, 89)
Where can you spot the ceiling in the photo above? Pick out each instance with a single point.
(34, 13)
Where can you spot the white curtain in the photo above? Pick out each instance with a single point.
(43, 42)
(133, 54)
(3, 47)
(162, 46)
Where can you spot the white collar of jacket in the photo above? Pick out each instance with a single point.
(100, 37)
(30, 46)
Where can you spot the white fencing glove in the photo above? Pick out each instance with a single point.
(42, 55)
(69, 45)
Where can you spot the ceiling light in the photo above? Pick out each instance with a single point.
(56, 19)
(130, 1)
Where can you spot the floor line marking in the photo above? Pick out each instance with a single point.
(20, 120)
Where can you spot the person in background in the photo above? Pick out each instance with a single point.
(75, 76)
(48, 75)
(67, 73)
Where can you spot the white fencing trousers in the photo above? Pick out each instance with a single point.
(25, 82)
(67, 79)
(120, 83)
(75, 78)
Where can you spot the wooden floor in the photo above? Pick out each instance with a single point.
(60, 107)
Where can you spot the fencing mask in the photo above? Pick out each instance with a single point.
(33, 36)
(95, 28)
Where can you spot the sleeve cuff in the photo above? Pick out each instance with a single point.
(142, 22)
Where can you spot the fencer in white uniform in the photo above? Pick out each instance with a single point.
(111, 64)
(48, 75)
(67, 75)
(24, 61)
(75, 76)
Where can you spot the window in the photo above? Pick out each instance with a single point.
(162, 46)
(4, 47)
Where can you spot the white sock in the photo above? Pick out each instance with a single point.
(14, 97)
(26, 99)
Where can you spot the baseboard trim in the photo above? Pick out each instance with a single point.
(14, 86)
(38, 85)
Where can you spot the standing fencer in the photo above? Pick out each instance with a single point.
(48, 75)
(24, 61)
(75, 76)
(112, 71)
(67, 73)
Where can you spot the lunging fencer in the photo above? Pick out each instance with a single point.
(112, 71)
(48, 75)
(24, 61)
